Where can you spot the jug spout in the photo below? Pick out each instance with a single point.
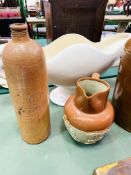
(91, 94)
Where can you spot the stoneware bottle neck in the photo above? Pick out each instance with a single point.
(91, 95)
(19, 32)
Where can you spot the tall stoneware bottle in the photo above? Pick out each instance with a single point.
(25, 70)
(122, 92)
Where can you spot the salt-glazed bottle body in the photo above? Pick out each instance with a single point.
(88, 115)
(25, 70)
(122, 92)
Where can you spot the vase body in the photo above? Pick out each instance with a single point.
(26, 75)
(122, 92)
(89, 111)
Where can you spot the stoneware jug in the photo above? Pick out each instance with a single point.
(122, 92)
(26, 75)
(88, 115)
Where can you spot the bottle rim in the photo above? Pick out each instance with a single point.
(18, 26)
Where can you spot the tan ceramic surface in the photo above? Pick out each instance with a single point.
(25, 70)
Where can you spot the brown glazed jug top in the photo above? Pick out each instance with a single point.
(91, 94)
(89, 110)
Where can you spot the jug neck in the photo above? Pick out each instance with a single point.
(19, 32)
(91, 95)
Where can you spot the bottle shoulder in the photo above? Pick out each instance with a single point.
(23, 50)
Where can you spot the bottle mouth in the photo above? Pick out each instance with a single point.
(18, 26)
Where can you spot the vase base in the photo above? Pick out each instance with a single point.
(60, 95)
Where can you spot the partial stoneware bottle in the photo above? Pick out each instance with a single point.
(122, 92)
(25, 70)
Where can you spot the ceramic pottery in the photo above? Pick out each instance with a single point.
(122, 92)
(88, 115)
(25, 70)
(122, 167)
(72, 52)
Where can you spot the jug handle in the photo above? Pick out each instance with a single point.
(96, 75)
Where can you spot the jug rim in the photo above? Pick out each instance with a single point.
(93, 79)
